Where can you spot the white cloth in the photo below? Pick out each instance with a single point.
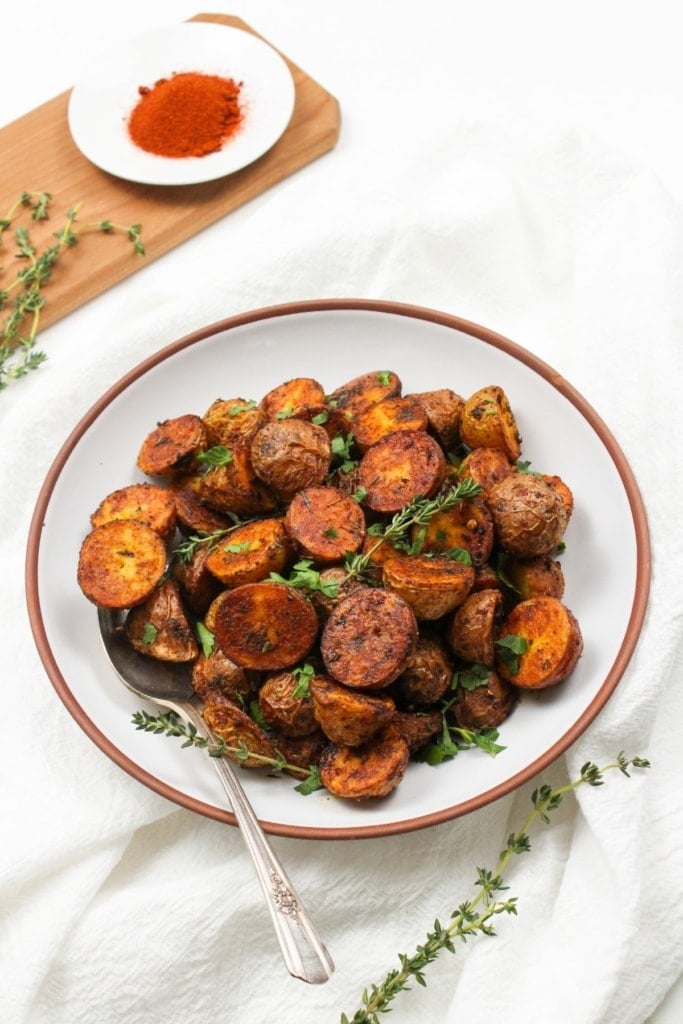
(493, 163)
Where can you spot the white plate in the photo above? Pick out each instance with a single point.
(607, 562)
(101, 103)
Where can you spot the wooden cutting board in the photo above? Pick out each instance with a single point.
(38, 154)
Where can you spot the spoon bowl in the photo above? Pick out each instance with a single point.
(169, 685)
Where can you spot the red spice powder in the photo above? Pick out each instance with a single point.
(188, 114)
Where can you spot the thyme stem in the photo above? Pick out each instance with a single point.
(469, 919)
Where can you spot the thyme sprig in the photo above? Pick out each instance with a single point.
(416, 513)
(169, 724)
(476, 915)
(23, 298)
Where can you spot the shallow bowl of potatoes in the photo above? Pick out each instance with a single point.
(405, 549)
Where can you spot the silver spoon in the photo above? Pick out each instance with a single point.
(169, 685)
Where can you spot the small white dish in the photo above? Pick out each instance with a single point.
(101, 103)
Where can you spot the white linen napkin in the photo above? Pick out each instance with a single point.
(120, 907)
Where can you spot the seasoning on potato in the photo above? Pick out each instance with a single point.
(355, 579)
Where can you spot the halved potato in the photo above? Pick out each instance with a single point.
(370, 771)
(348, 717)
(432, 587)
(553, 640)
(474, 627)
(120, 563)
(487, 421)
(265, 626)
(405, 465)
(145, 502)
(160, 628)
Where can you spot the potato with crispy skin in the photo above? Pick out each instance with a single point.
(346, 716)
(529, 515)
(418, 727)
(370, 771)
(289, 455)
(265, 626)
(361, 392)
(120, 563)
(284, 708)
(251, 552)
(197, 585)
(173, 446)
(301, 397)
(160, 628)
(467, 525)
(485, 466)
(216, 678)
(301, 751)
(368, 638)
(192, 515)
(234, 489)
(487, 421)
(400, 413)
(427, 675)
(239, 731)
(325, 524)
(233, 421)
(145, 502)
(444, 408)
(432, 586)
(531, 577)
(474, 627)
(405, 465)
(485, 706)
(553, 641)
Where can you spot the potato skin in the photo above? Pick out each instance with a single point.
(467, 525)
(198, 586)
(486, 706)
(300, 397)
(474, 626)
(554, 641)
(120, 563)
(444, 409)
(216, 678)
(532, 577)
(232, 421)
(367, 772)
(235, 489)
(282, 709)
(486, 466)
(265, 626)
(235, 728)
(487, 421)
(174, 638)
(528, 514)
(368, 638)
(427, 675)
(289, 455)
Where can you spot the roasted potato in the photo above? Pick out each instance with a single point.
(532, 577)
(198, 586)
(553, 641)
(265, 626)
(325, 524)
(486, 466)
(427, 675)
(193, 516)
(405, 465)
(234, 489)
(120, 563)
(216, 678)
(283, 708)
(301, 397)
(418, 727)
(444, 408)
(160, 628)
(250, 553)
(238, 730)
(145, 502)
(432, 586)
(233, 421)
(487, 421)
(485, 706)
(289, 455)
(363, 391)
(348, 717)
(367, 772)
(467, 525)
(474, 627)
(368, 638)
(528, 513)
(173, 446)
(401, 413)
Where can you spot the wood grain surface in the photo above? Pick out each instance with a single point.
(38, 154)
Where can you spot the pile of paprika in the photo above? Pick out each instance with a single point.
(188, 114)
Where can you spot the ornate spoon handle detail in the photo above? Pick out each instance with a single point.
(304, 954)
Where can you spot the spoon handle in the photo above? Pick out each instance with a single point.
(304, 954)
